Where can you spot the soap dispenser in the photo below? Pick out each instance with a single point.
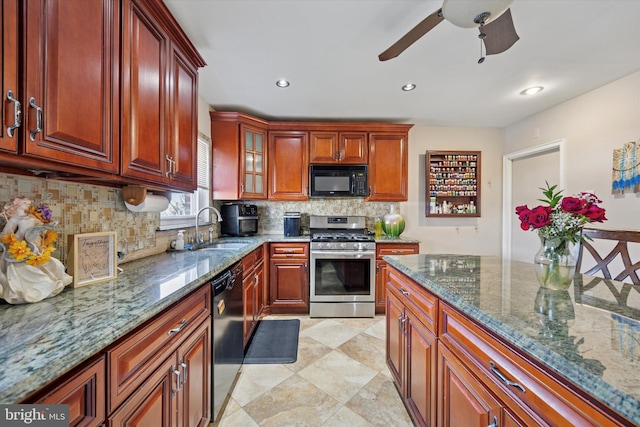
(180, 241)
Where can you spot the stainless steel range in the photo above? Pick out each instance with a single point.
(343, 262)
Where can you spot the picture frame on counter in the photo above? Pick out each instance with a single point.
(92, 257)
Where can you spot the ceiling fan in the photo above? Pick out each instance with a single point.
(491, 17)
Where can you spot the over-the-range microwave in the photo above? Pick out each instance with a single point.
(338, 180)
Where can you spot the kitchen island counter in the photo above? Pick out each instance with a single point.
(587, 336)
(41, 341)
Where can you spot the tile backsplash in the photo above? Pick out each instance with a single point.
(84, 208)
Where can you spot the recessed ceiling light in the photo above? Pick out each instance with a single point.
(282, 83)
(408, 87)
(531, 90)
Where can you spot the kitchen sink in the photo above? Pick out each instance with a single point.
(219, 246)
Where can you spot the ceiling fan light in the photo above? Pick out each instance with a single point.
(531, 90)
(282, 83)
(408, 87)
(463, 13)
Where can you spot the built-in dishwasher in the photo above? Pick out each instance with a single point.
(228, 350)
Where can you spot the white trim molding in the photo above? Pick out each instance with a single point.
(507, 188)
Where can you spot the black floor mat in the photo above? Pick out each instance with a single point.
(275, 341)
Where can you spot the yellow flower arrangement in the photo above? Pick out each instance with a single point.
(38, 249)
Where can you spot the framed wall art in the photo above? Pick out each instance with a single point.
(92, 257)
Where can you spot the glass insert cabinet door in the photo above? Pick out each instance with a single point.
(253, 173)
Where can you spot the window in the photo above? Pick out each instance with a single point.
(183, 207)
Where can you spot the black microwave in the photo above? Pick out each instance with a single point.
(338, 180)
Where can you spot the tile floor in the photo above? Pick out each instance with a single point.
(340, 379)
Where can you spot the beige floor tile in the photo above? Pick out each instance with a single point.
(255, 380)
(346, 417)
(294, 402)
(338, 375)
(339, 379)
(379, 403)
(331, 332)
(366, 349)
(309, 350)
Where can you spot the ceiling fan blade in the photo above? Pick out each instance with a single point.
(500, 34)
(412, 36)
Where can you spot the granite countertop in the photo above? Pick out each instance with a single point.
(589, 334)
(41, 341)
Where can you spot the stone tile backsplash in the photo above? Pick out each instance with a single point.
(84, 208)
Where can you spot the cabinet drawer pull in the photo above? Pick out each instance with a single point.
(504, 379)
(178, 328)
(39, 119)
(178, 383)
(17, 114)
(404, 292)
(184, 372)
(494, 423)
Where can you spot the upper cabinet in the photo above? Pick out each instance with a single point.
(388, 166)
(326, 147)
(63, 105)
(99, 89)
(288, 165)
(294, 145)
(159, 102)
(239, 146)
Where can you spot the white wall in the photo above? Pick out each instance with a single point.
(593, 125)
(477, 236)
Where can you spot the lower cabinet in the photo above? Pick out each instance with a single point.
(451, 371)
(289, 278)
(253, 286)
(84, 392)
(383, 249)
(411, 351)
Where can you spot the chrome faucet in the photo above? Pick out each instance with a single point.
(218, 219)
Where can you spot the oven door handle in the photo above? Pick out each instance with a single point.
(343, 254)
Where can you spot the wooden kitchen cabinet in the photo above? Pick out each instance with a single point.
(239, 166)
(83, 391)
(383, 249)
(328, 147)
(289, 278)
(411, 347)
(10, 75)
(67, 88)
(388, 166)
(131, 360)
(453, 183)
(254, 289)
(288, 165)
(159, 82)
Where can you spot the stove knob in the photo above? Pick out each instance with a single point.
(343, 245)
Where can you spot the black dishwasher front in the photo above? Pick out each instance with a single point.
(228, 350)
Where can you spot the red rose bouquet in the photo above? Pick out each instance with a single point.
(561, 217)
(559, 222)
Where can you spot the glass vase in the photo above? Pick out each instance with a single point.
(393, 223)
(554, 263)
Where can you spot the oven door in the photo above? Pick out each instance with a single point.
(340, 276)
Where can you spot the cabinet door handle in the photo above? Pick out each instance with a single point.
(404, 292)
(184, 372)
(504, 379)
(17, 114)
(178, 383)
(172, 165)
(39, 119)
(494, 423)
(178, 328)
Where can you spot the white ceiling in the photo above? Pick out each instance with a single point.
(329, 49)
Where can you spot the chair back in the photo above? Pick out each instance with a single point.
(622, 259)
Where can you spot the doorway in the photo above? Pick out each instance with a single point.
(524, 173)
